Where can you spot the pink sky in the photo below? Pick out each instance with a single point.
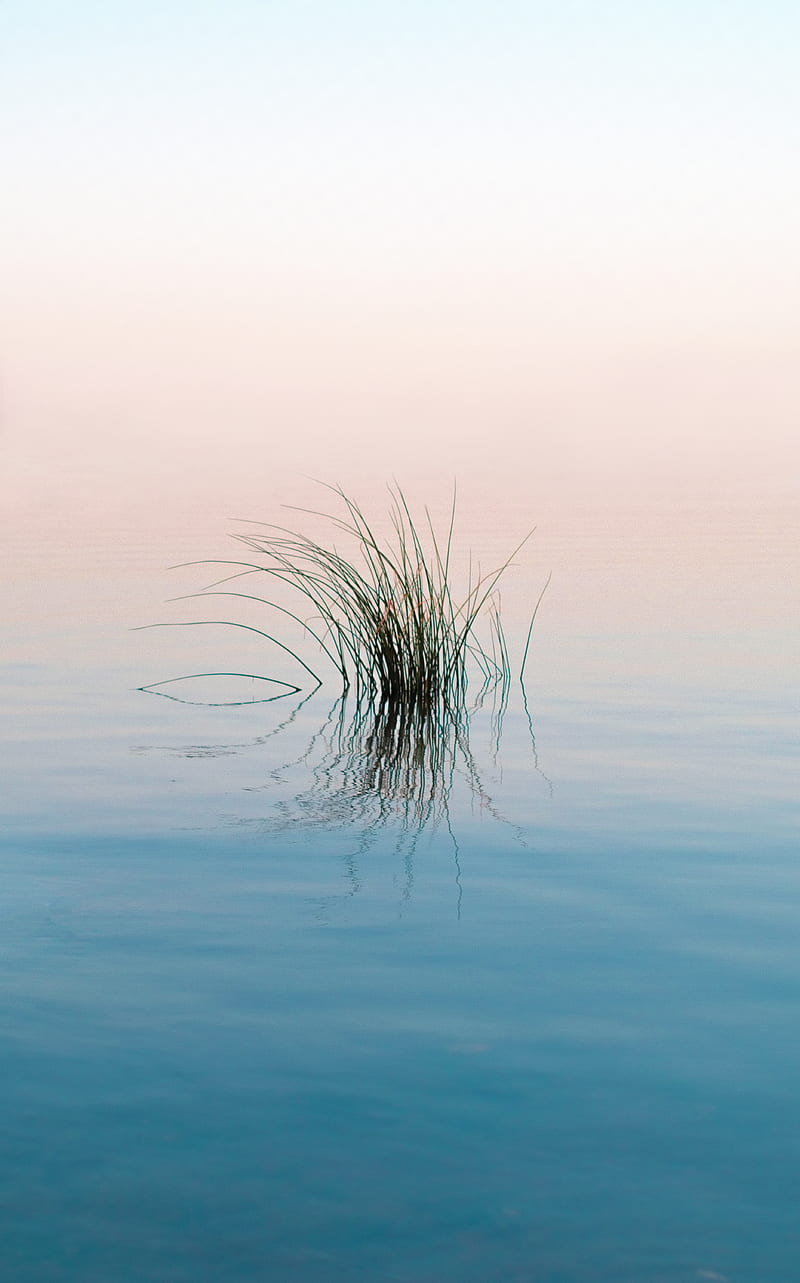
(553, 255)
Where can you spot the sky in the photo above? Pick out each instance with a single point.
(553, 244)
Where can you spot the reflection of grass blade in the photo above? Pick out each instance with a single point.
(230, 623)
(152, 688)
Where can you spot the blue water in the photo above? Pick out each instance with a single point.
(257, 1025)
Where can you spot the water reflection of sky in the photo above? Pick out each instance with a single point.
(270, 1011)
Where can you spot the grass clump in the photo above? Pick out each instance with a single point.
(390, 620)
(404, 640)
(385, 612)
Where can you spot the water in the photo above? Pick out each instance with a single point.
(261, 1022)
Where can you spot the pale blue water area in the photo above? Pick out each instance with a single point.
(264, 1019)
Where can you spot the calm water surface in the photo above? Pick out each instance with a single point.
(264, 1020)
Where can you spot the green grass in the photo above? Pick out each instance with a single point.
(405, 642)
(415, 655)
(384, 610)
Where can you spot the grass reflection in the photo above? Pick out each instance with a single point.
(413, 669)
